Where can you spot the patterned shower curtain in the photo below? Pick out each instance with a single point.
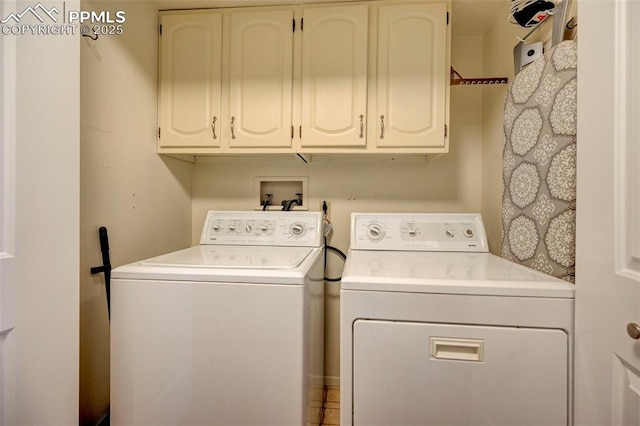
(539, 164)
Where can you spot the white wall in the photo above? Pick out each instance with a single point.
(450, 183)
(149, 205)
(143, 199)
(41, 353)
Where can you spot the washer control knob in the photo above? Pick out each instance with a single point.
(216, 228)
(449, 233)
(413, 232)
(468, 233)
(297, 229)
(248, 228)
(264, 228)
(232, 228)
(375, 232)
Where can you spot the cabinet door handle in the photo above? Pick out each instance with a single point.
(213, 127)
(361, 126)
(233, 124)
(382, 127)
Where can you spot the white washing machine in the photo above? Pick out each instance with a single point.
(229, 332)
(437, 331)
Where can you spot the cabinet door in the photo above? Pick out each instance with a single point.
(261, 73)
(412, 76)
(334, 76)
(190, 81)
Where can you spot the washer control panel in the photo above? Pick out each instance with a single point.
(263, 228)
(418, 231)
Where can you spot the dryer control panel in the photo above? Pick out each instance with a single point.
(298, 229)
(462, 232)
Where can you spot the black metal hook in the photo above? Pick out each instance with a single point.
(93, 37)
(106, 265)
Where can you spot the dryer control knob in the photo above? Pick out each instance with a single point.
(449, 233)
(248, 229)
(468, 233)
(232, 228)
(216, 228)
(375, 232)
(264, 228)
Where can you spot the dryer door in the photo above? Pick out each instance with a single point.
(422, 373)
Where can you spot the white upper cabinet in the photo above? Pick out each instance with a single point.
(260, 79)
(314, 78)
(334, 76)
(190, 82)
(412, 76)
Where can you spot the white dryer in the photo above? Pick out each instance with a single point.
(229, 332)
(437, 331)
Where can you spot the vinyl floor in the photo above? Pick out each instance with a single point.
(331, 407)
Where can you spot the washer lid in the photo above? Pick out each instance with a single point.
(447, 273)
(260, 257)
(250, 264)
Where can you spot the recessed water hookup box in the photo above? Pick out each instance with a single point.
(281, 191)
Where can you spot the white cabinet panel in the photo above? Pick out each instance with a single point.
(190, 80)
(261, 79)
(412, 75)
(334, 76)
